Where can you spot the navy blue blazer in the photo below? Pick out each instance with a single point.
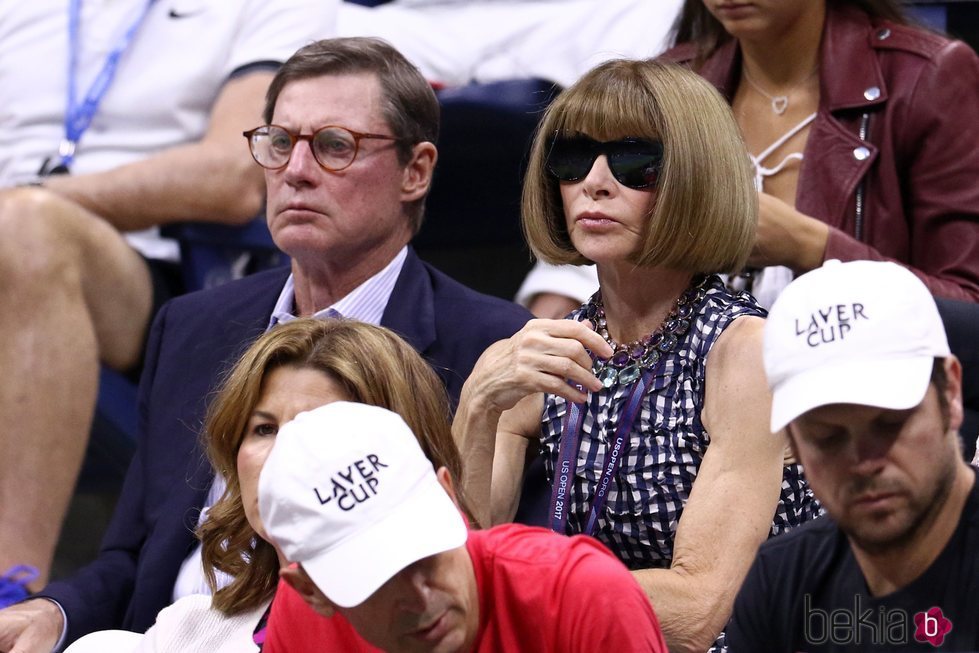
(193, 340)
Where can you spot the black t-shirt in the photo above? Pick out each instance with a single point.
(806, 593)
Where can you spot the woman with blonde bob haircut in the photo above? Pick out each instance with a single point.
(649, 403)
(295, 367)
(706, 210)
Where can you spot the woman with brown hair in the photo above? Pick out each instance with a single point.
(367, 364)
(294, 367)
(649, 404)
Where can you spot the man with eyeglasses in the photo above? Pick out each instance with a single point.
(348, 151)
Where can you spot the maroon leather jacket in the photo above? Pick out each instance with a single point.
(908, 190)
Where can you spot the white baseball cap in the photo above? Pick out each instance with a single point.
(862, 332)
(348, 493)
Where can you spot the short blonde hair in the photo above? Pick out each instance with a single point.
(374, 366)
(706, 209)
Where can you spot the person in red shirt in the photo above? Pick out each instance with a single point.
(386, 561)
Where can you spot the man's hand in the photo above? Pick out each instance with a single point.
(30, 627)
(787, 237)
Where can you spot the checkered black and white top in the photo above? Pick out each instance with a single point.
(666, 445)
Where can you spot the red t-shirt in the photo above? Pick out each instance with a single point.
(538, 592)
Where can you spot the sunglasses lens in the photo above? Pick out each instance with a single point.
(570, 159)
(636, 164)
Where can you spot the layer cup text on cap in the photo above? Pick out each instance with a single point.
(830, 332)
(339, 478)
(327, 461)
(424, 523)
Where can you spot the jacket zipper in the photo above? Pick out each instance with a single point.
(858, 230)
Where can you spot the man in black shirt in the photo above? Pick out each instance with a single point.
(863, 379)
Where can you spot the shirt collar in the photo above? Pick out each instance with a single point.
(366, 302)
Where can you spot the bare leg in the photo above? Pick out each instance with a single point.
(71, 292)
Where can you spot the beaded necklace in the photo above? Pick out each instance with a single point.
(628, 360)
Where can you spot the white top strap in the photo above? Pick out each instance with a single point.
(761, 172)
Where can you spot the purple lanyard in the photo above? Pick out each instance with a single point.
(568, 453)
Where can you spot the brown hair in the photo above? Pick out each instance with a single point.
(374, 366)
(706, 209)
(410, 107)
(695, 24)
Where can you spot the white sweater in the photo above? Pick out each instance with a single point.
(190, 625)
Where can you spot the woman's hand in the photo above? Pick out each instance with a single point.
(787, 237)
(500, 407)
(542, 357)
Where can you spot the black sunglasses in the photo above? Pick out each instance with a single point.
(634, 162)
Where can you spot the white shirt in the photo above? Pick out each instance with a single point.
(366, 302)
(454, 42)
(191, 625)
(165, 84)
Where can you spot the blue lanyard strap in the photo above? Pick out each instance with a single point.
(564, 471)
(78, 117)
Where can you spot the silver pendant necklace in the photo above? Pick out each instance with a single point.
(779, 102)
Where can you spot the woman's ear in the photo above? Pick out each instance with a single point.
(298, 580)
(445, 480)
